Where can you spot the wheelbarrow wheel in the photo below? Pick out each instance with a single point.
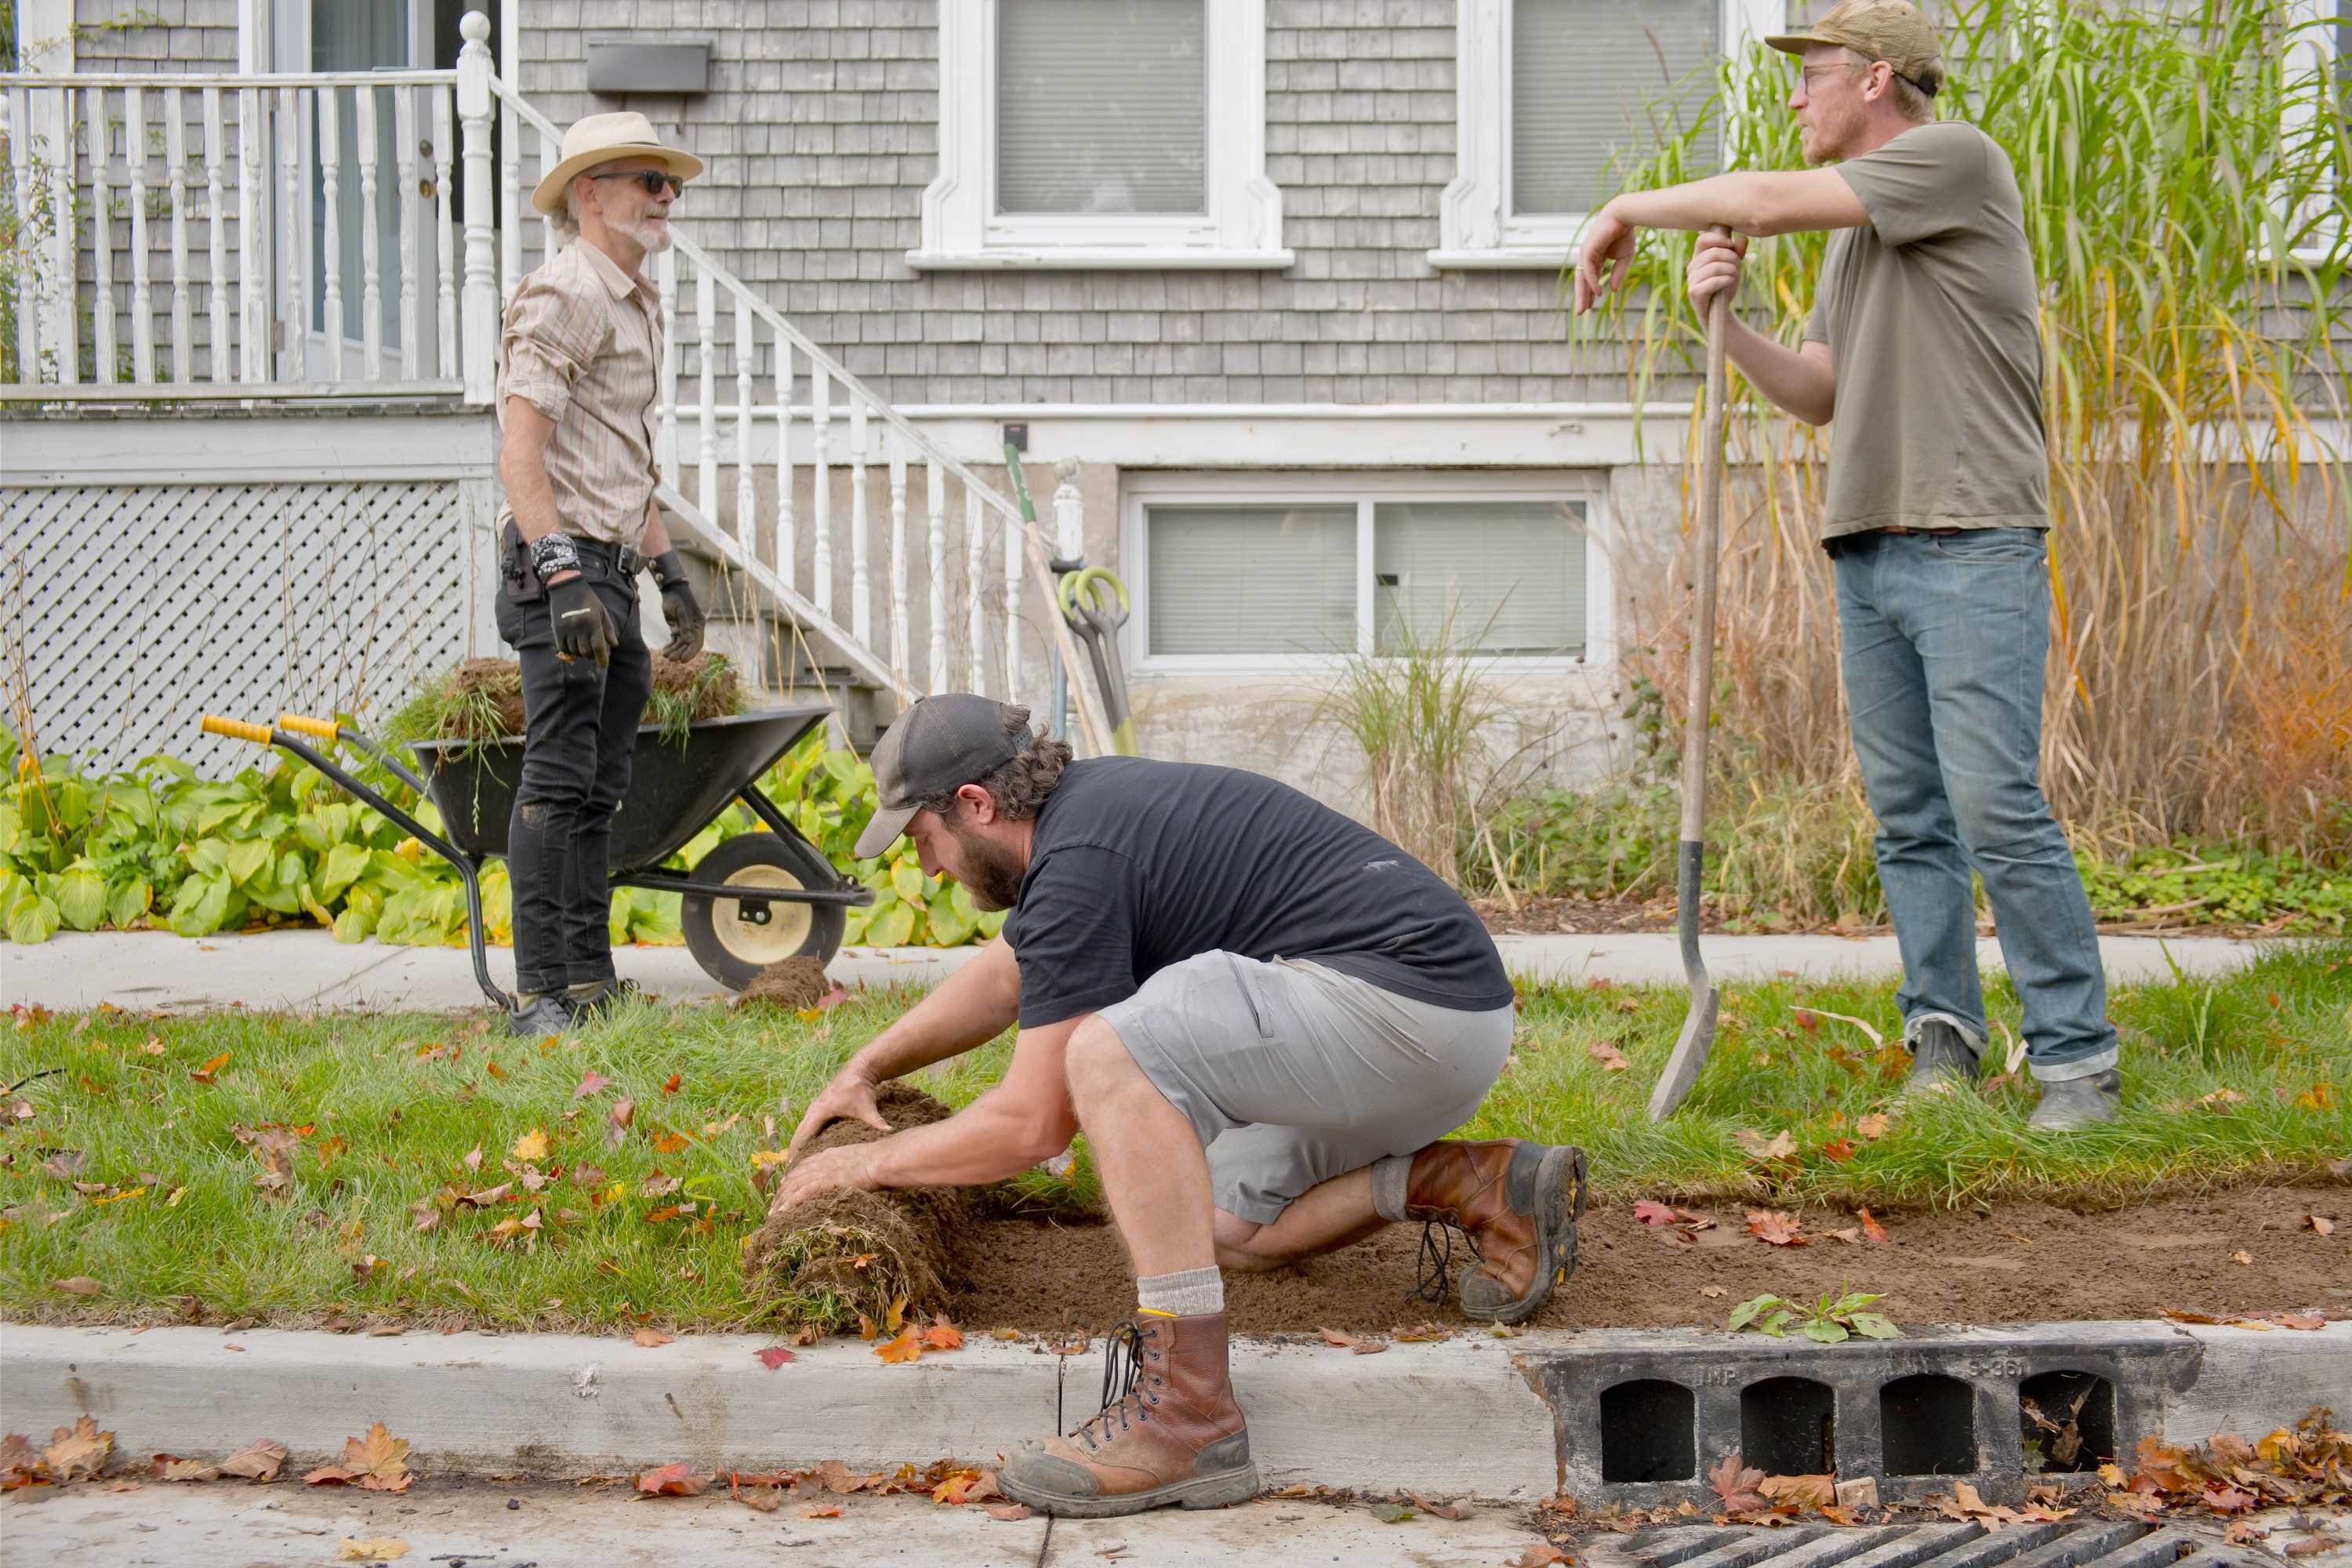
(734, 939)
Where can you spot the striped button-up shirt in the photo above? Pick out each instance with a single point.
(582, 345)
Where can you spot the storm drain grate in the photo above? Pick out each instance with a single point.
(2092, 1543)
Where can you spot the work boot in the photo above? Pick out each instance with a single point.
(540, 1012)
(2071, 1102)
(1517, 1202)
(1941, 1058)
(1168, 1431)
(592, 1000)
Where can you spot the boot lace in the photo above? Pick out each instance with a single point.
(1431, 1282)
(1121, 1399)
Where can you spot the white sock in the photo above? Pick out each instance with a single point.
(1187, 1293)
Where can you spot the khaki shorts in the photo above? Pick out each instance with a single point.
(1292, 1073)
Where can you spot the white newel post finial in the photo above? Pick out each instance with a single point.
(481, 306)
(1069, 511)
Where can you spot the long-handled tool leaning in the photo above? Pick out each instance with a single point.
(1698, 1037)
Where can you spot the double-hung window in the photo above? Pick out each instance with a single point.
(1101, 133)
(1239, 574)
(1552, 98)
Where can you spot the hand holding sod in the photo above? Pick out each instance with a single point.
(848, 1098)
(849, 1165)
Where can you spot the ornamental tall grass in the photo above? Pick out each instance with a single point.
(2184, 197)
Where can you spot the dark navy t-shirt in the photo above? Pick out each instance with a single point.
(1139, 864)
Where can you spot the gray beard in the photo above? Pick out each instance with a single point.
(650, 238)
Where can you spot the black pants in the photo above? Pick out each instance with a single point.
(580, 737)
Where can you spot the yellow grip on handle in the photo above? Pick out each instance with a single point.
(322, 728)
(236, 729)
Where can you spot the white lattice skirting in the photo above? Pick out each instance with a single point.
(128, 611)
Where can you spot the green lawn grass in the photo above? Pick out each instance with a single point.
(382, 1117)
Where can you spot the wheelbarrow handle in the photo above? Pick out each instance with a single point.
(332, 730)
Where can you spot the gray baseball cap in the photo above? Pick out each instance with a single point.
(935, 748)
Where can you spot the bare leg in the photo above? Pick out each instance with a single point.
(1336, 1214)
(1154, 1169)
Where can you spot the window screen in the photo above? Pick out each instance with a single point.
(1593, 81)
(1251, 579)
(1101, 106)
(1498, 576)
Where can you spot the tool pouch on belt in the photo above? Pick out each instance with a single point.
(519, 580)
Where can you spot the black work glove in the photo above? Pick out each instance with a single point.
(680, 612)
(583, 627)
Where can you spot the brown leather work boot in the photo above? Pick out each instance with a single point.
(1517, 1202)
(1168, 1431)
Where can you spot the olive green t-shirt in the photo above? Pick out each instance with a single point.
(1929, 316)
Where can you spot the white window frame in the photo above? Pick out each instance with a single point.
(1242, 225)
(1477, 228)
(2312, 57)
(1364, 491)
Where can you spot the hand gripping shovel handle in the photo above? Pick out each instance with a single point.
(1697, 1038)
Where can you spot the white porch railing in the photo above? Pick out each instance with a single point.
(325, 258)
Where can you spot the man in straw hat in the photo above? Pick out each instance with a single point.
(577, 378)
(1925, 347)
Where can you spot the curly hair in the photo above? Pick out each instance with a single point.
(1020, 785)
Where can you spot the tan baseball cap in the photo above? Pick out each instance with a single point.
(1889, 30)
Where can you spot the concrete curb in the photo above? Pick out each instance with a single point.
(1475, 1414)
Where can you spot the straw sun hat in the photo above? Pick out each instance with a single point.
(599, 139)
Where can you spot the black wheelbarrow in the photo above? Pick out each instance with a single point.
(753, 899)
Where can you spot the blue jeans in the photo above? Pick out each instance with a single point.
(1942, 647)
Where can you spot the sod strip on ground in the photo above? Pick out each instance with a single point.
(278, 1167)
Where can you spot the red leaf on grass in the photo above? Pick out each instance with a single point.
(594, 1082)
(1839, 1149)
(1774, 1228)
(672, 1480)
(671, 1087)
(773, 1356)
(1736, 1483)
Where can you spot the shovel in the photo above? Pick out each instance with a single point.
(1698, 1037)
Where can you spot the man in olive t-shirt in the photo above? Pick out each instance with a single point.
(1925, 348)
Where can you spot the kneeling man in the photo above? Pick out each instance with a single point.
(1264, 1016)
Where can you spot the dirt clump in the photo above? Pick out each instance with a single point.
(790, 984)
(842, 1253)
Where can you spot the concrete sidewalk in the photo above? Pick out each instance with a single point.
(305, 969)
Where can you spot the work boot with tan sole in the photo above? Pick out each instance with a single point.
(1517, 1202)
(1168, 1431)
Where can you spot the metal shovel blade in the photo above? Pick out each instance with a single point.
(1691, 1048)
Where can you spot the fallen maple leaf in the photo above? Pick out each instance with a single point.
(2242, 1256)
(1804, 1492)
(65, 1165)
(1780, 1147)
(1871, 1229)
(672, 1480)
(531, 1145)
(2229, 1499)
(823, 1511)
(211, 1069)
(942, 1335)
(836, 1477)
(671, 1087)
(1736, 1483)
(669, 1144)
(592, 1083)
(172, 1468)
(1871, 1127)
(904, 1348)
(1649, 1211)
(2320, 1223)
(349, 1551)
(1611, 1058)
(80, 1285)
(1334, 1337)
(652, 1339)
(773, 1356)
(256, 1461)
(2297, 1320)
(1536, 1554)
(957, 1489)
(80, 1448)
(1009, 1511)
(1446, 1510)
(1965, 1505)
(1775, 1227)
(18, 1462)
(1839, 1149)
(379, 1462)
(657, 1185)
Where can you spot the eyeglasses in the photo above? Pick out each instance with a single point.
(1812, 72)
(652, 180)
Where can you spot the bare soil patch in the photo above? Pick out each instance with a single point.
(2002, 1262)
(1544, 916)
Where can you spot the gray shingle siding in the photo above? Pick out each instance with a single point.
(823, 130)
(155, 35)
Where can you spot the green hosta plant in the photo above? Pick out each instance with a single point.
(1829, 1320)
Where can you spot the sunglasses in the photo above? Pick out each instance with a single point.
(652, 180)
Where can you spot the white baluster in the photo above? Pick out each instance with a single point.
(102, 238)
(64, 237)
(975, 549)
(367, 147)
(142, 303)
(216, 236)
(1013, 535)
(20, 183)
(666, 285)
(252, 241)
(331, 170)
(747, 494)
(445, 140)
(510, 195)
(861, 600)
(705, 322)
(293, 327)
(482, 302)
(787, 535)
(175, 162)
(901, 651)
(935, 508)
(403, 144)
(821, 483)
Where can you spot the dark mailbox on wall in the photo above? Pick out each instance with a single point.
(623, 67)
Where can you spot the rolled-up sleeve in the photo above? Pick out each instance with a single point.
(552, 332)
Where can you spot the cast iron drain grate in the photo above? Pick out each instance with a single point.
(2090, 1544)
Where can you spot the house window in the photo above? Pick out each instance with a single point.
(1240, 579)
(1553, 96)
(1090, 133)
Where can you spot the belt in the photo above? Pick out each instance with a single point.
(1930, 532)
(618, 559)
